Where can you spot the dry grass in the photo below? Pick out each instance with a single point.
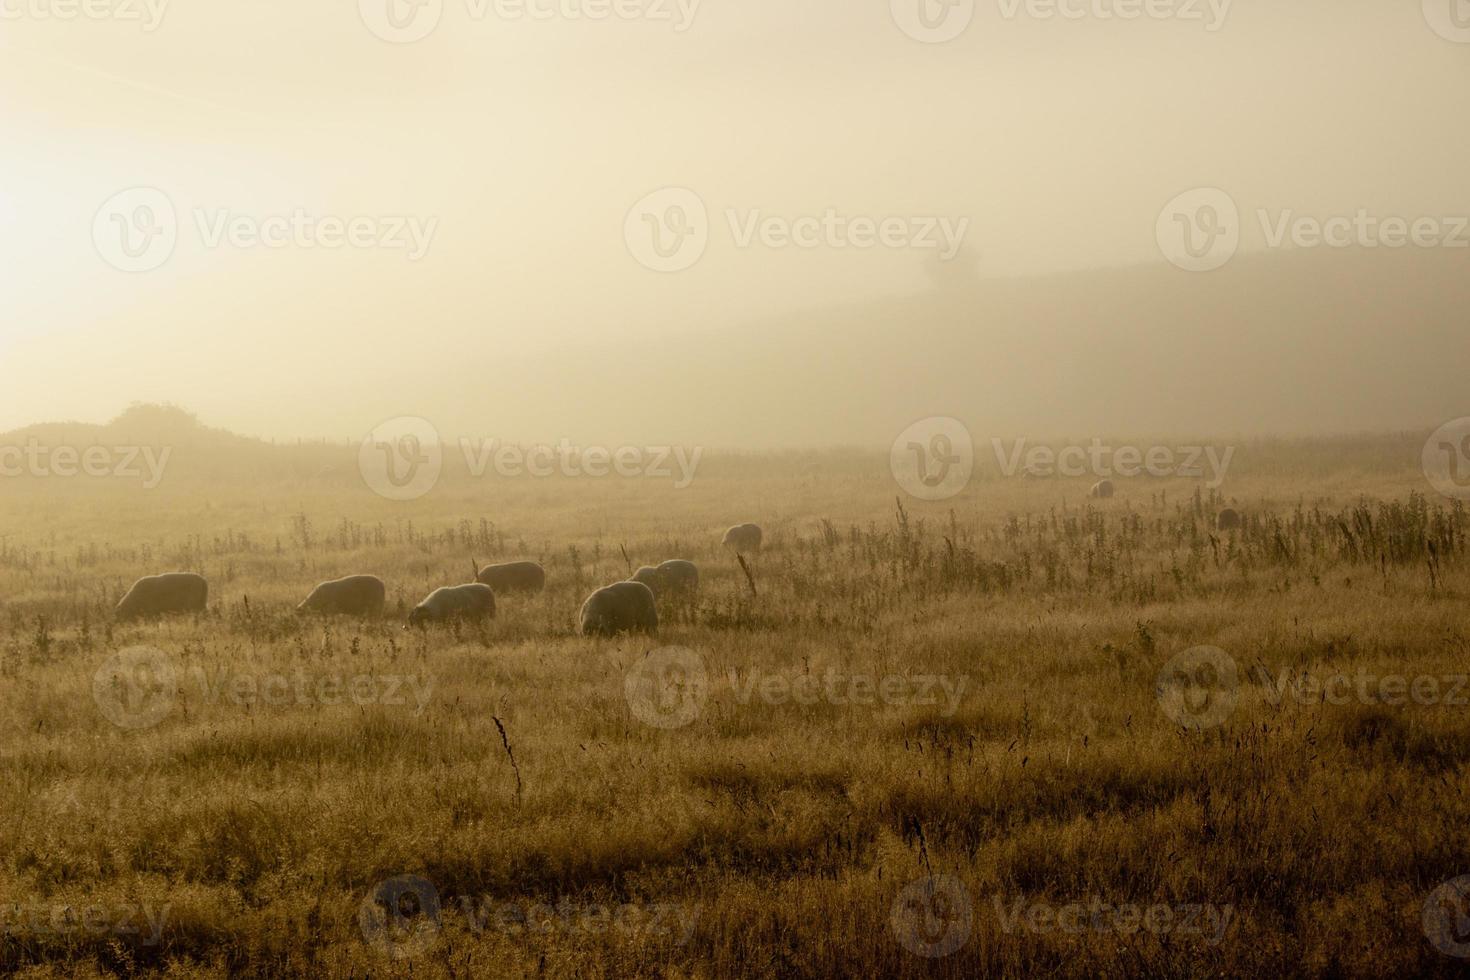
(779, 835)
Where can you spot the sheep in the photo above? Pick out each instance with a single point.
(474, 601)
(1101, 490)
(623, 607)
(674, 578)
(159, 595)
(651, 577)
(356, 595)
(743, 539)
(679, 577)
(1228, 520)
(513, 576)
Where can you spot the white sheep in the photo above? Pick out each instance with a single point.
(743, 539)
(623, 607)
(356, 595)
(651, 577)
(513, 576)
(474, 601)
(159, 595)
(679, 577)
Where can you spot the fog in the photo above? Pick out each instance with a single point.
(514, 149)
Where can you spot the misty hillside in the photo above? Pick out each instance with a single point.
(194, 450)
(139, 423)
(1284, 343)
(1287, 342)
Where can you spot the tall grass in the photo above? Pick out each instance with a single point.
(786, 831)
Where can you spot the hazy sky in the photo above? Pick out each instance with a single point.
(521, 145)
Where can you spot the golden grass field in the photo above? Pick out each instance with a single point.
(1053, 820)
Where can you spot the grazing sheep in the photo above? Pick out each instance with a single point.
(356, 595)
(475, 601)
(513, 576)
(651, 577)
(1101, 490)
(743, 539)
(1228, 520)
(679, 577)
(675, 578)
(623, 607)
(159, 595)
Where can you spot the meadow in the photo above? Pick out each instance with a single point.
(916, 739)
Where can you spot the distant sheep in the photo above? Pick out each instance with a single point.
(675, 578)
(1101, 490)
(1229, 520)
(651, 577)
(743, 539)
(513, 576)
(476, 601)
(356, 595)
(680, 577)
(160, 595)
(624, 607)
